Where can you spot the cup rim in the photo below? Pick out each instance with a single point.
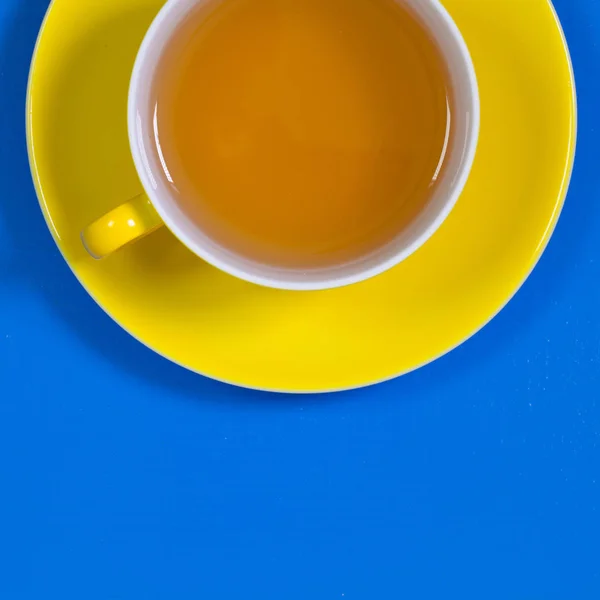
(205, 253)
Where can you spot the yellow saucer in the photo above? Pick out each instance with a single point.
(315, 341)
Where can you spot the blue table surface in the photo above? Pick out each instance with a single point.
(123, 476)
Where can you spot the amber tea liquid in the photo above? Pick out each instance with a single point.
(302, 133)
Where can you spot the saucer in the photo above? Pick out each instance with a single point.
(284, 341)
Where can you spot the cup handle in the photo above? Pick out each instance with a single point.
(122, 225)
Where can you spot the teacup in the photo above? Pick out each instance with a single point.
(160, 203)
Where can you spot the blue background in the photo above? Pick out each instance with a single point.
(123, 476)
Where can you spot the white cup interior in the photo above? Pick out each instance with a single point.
(459, 155)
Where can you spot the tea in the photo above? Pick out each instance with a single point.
(302, 133)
